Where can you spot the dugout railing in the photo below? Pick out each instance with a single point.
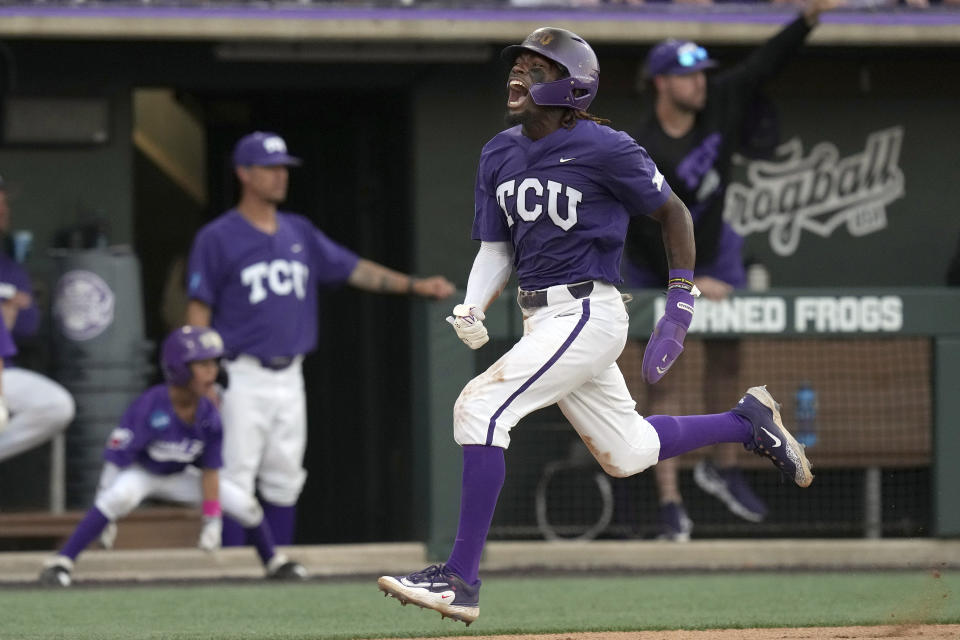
(885, 364)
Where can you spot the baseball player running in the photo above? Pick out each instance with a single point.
(554, 194)
(253, 275)
(39, 408)
(168, 446)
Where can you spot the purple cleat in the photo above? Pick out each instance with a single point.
(437, 588)
(730, 487)
(771, 438)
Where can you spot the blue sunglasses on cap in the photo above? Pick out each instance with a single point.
(690, 55)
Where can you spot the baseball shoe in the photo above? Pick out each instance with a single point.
(109, 535)
(57, 572)
(771, 438)
(437, 588)
(675, 524)
(729, 486)
(282, 568)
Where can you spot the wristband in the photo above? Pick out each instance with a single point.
(410, 284)
(680, 279)
(211, 508)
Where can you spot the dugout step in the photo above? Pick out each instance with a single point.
(146, 528)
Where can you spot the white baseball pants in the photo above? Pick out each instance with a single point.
(265, 429)
(567, 356)
(135, 484)
(39, 409)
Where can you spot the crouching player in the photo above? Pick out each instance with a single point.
(168, 446)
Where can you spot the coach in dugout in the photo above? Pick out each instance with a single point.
(253, 276)
(39, 407)
(693, 126)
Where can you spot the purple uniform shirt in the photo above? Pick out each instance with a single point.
(262, 288)
(564, 201)
(151, 435)
(7, 347)
(14, 278)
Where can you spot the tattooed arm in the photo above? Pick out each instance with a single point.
(376, 278)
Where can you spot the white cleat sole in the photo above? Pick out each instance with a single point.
(426, 600)
(803, 476)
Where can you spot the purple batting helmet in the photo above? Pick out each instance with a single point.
(571, 52)
(186, 345)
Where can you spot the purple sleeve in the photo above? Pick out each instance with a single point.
(7, 347)
(212, 456)
(489, 220)
(130, 437)
(202, 272)
(634, 177)
(332, 262)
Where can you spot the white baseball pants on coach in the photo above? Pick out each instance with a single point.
(39, 409)
(134, 484)
(265, 429)
(567, 356)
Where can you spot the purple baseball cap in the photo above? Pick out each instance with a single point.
(676, 57)
(263, 149)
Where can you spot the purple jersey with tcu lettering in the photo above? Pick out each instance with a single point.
(262, 288)
(564, 201)
(151, 435)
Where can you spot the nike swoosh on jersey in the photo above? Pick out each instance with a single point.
(562, 160)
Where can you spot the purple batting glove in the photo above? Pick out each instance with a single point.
(666, 341)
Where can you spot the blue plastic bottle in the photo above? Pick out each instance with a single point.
(806, 424)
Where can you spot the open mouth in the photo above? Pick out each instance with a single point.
(517, 94)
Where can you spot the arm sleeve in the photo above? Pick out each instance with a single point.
(491, 269)
(767, 60)
(202, 272)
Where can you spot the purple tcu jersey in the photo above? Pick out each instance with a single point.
(262, 288)
(14, 278)
(151, 435)
(564, 201)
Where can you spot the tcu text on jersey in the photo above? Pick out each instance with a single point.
(528, 202)
(281, 276)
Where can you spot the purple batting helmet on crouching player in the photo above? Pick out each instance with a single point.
(186, 345)
(571, 52)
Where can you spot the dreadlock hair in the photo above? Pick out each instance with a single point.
(570, 118)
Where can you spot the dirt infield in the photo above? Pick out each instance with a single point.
(903, 631)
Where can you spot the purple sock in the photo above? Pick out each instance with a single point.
(483, 473)
(85, 533)
(282, 521)
(234, 535)
(680, 434)
(262, 540)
